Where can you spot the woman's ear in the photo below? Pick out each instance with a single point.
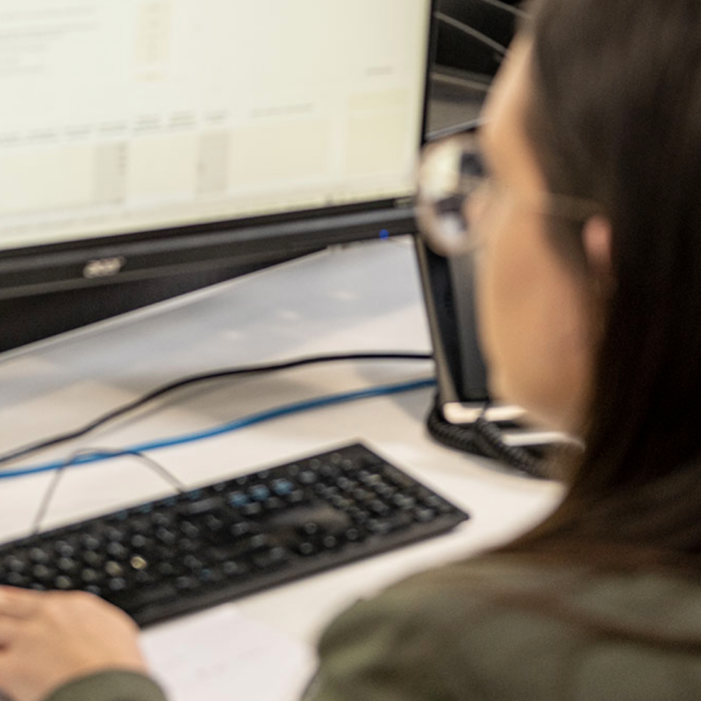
(596, 238)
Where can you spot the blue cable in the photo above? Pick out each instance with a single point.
(251, 420)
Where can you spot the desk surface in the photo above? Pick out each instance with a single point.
(359, 298)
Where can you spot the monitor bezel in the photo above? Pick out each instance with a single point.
(126, 257)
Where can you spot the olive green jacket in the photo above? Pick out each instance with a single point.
(110, 686)
(496, 629)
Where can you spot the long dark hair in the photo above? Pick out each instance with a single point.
(615, 117)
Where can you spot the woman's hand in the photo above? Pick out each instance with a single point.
(47, 639)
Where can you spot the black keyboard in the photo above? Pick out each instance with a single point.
(222, 541)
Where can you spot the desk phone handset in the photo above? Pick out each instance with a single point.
(463, 416)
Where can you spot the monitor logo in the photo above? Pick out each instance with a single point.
(103, 267)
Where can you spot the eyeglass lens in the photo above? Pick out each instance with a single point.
(451, 173)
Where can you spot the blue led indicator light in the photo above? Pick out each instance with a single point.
(384, 234)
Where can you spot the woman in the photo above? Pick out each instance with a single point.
(589, 239)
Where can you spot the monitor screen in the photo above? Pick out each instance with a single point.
(141, 137)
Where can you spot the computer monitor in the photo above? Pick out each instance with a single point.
(144, 138)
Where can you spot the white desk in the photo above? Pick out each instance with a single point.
(365, 297)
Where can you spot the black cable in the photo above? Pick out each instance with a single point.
(450, 76)
(488, 437)
(53, 485)
(517, 12)
(48, 496)
(482, 438)
(31, 448)
(470, 126)
(473, 33)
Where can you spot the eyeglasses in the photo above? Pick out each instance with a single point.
(454, 191)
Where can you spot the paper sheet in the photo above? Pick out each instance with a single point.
(222, 655)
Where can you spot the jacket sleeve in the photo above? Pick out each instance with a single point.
(394, 647)
(109, 686)
(444, 636)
